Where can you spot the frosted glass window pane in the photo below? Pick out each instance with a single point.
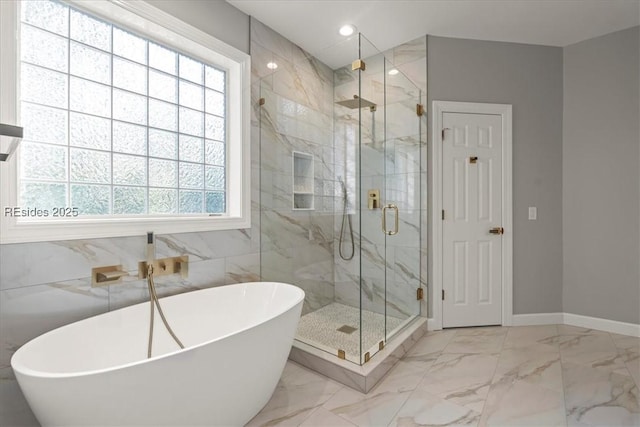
(90, 63)
(43, 161)
(163, 115)
(214, 153)
(51, 16)
(162, 59)
(191, 122)
(214, 127)
(44, 124)
(129, 138)
(129, 75)
(190, 69)
(191, 95)
(89, 97)
(129, 107)
(163, 173)
(129, 170)
(214, 78)
(191, 149)
(55, 54)
(214, 177)
(215, 202)
(90, 31)
(129, 200)
(163, 86)
(191, 175)
(90, 166)
(162, 201)
(43, 86)
(214, 102)
(43, 195)
(191, 201)
(91, 199)
(90, 131)
(163, 144)
(129, 46)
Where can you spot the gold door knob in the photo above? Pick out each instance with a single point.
(497, 230)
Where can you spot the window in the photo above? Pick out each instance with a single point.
(123, 128)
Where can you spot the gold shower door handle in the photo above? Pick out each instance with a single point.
(384, 219)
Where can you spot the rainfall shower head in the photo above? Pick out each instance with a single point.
(357, 102)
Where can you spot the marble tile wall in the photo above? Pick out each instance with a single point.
(391, 145)
(297, 115)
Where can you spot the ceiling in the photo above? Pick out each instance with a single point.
(314, 24)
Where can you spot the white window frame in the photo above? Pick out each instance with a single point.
(153, 24)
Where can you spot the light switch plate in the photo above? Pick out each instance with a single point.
(533, 213)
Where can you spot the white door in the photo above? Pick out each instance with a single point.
(471, 228)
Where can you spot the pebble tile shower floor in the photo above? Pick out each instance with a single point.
(320, 329)
(544, 376)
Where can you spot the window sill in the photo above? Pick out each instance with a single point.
(55, 230)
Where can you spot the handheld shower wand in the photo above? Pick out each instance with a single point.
(345, 218)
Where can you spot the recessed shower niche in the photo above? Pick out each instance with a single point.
(303, 181)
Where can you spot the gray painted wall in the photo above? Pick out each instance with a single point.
(601, 180)
(216, 17)
(530, 78)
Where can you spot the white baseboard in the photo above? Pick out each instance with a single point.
(431, 324)
(538, 319)
(606, 325)
(588, 322)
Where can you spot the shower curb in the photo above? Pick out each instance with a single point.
(361, 378)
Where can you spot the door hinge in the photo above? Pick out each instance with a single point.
(420, 294)
(443, 132)
(358, 64)
(261, 101)
(443, 214)
(443, 295)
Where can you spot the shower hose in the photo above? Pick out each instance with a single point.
(153, 300)
(346, 218)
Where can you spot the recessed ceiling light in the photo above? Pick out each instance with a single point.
(393, 71)
(272, 65)
(347, 30)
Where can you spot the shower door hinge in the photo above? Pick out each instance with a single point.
(261, 101)
(419, 110)
(341, 354)
(358, 64)
(420, 294)
(443, 295)
(367, 357)
(380, 345)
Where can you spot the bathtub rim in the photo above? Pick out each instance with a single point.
(23, 370)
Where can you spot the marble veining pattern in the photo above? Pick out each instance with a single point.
(525, 376)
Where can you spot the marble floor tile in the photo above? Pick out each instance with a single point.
(544, 336)
(378, 407)
(428, 348)
(299, 392)
(425, 409)
(475, 344)
(599, 397)
(481, 331)
(517, 403)
(531, 365)
(463, 379)
(324, 418)
(595, 350)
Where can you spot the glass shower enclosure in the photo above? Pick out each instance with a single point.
(340, 194)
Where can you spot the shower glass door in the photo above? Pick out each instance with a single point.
(389, 189)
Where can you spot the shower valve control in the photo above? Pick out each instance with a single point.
(374, 199)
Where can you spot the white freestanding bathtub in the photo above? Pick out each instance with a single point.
(95, 372)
